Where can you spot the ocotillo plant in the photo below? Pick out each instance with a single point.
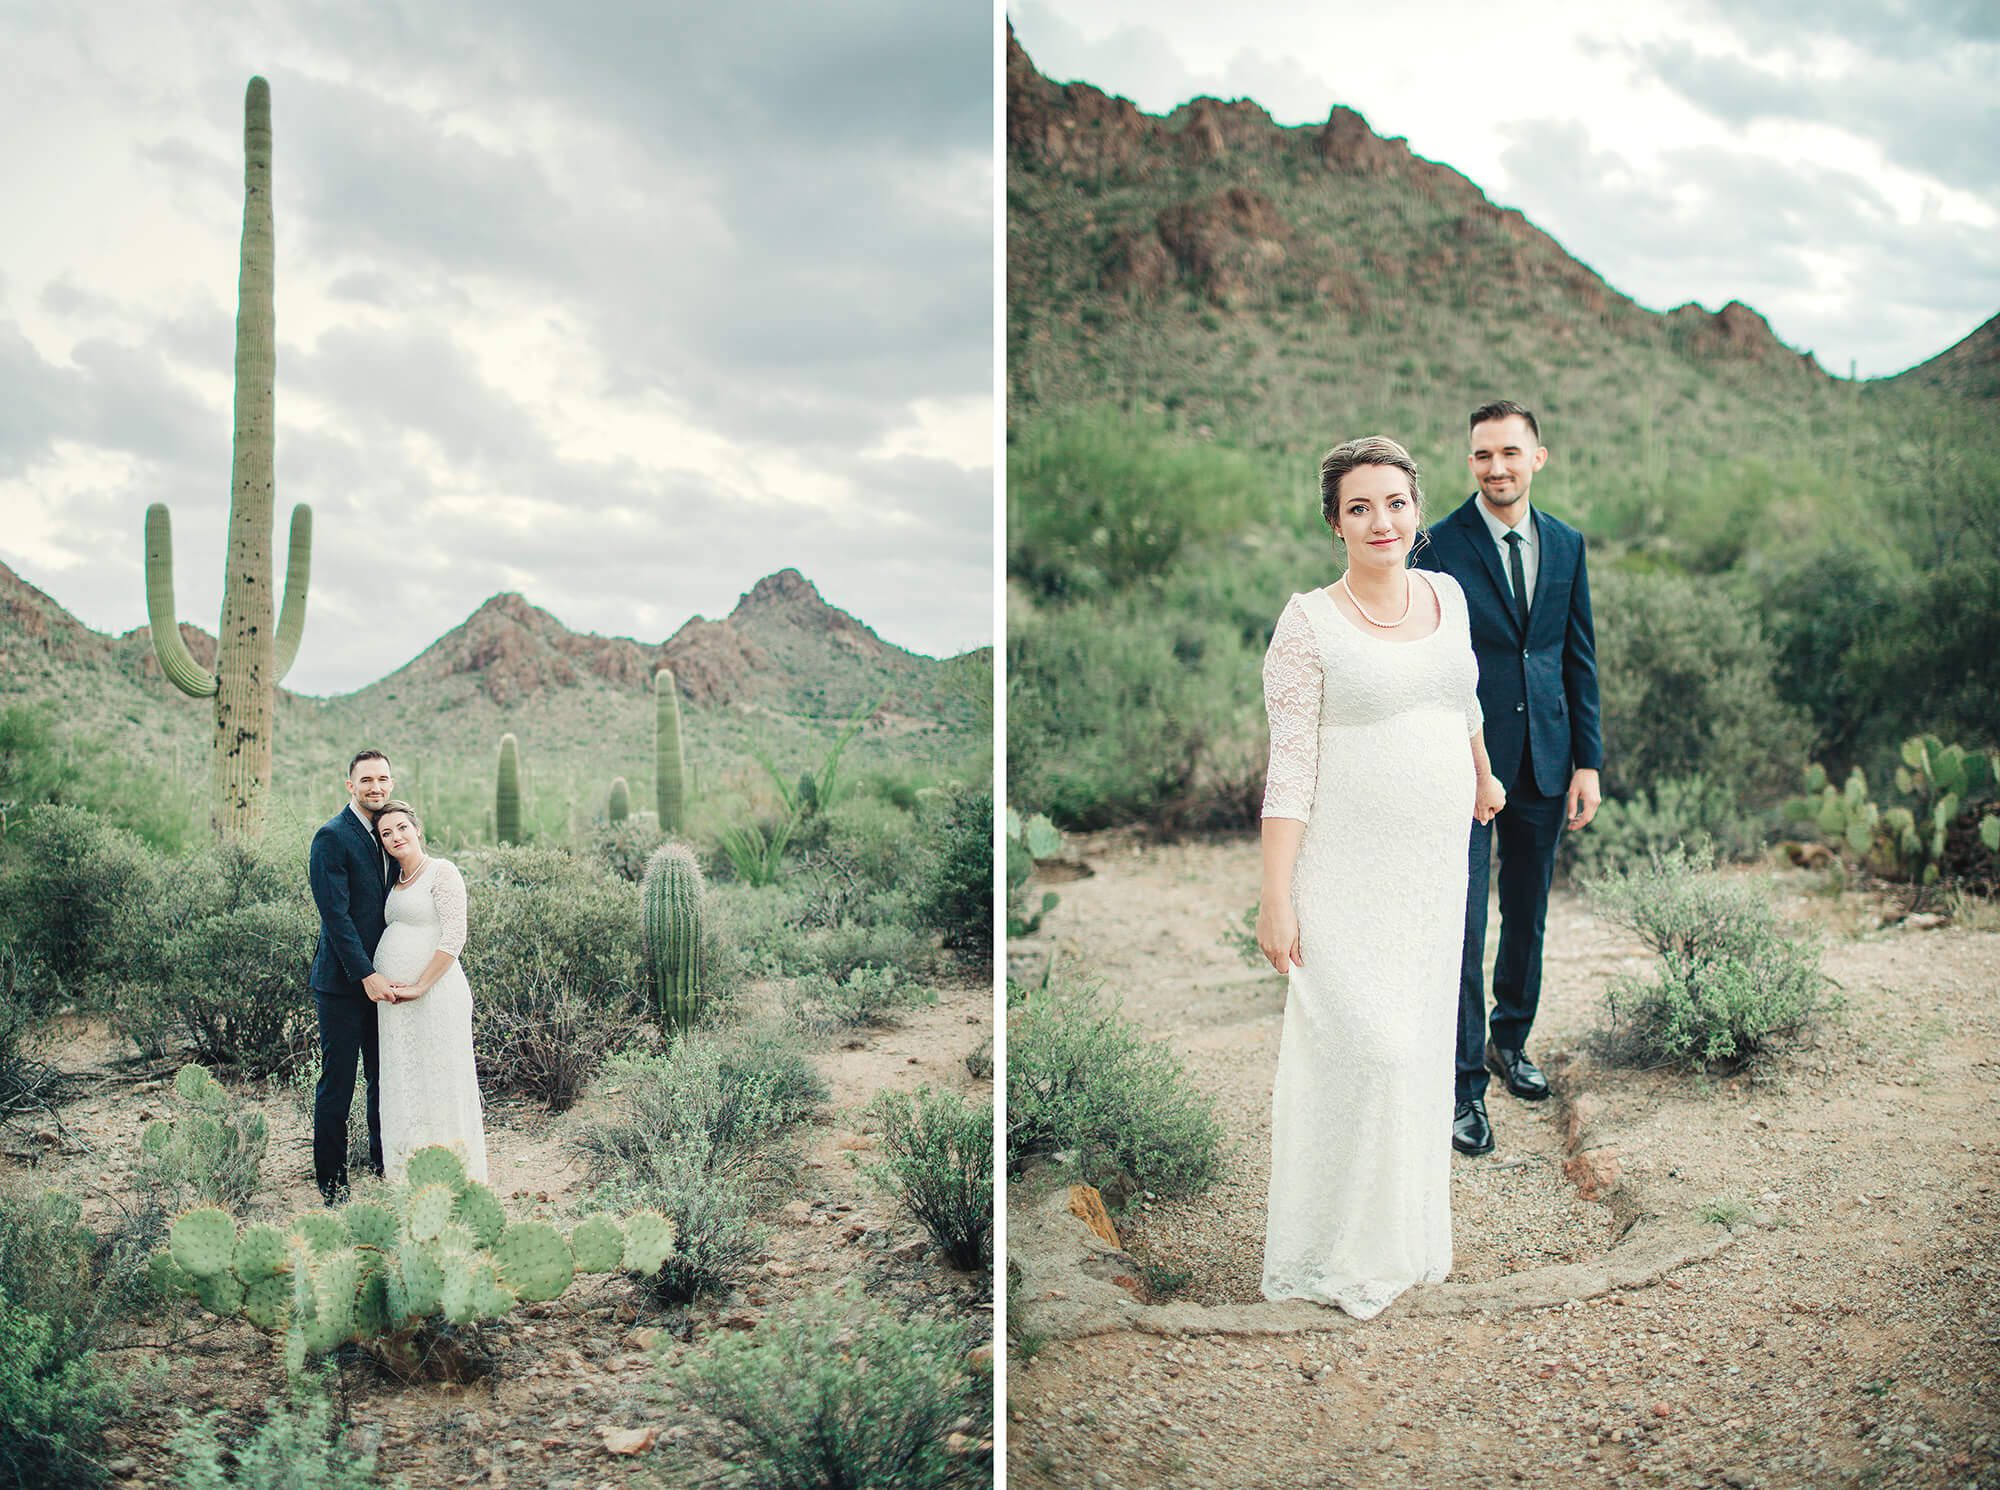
(669, 777)
(620, 806)
(251, 658)
(507, 792)
(672, 935)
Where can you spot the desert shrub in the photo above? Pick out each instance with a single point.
(231, 990)
(1687, 683)
(693, 1134)
(54, 1404)
(939, 1154)
(43, 763)
(301, 1082)
(834, 1391)
(979, 1059)
(774, 1059)
(47, 1262)
(624, 848)
(1103, 501)
(298, 1446)
(1081, 1078)
(75, 895)
(954, 889)
(1731, 984)
(1819, 608)
(209, 1151)
(553, 957)
(1687, 810)
(823, 1004)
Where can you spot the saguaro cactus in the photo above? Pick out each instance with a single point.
(251, 656)
(621, 800)
(672, 894)
(668, 777)
(507, 792)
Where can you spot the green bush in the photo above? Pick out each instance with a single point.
(1104, 501)
(954, 890)
(1688, 810)
(1082, 1079)
(1687, 682)
(866, 996)
(210, 1150)
(553, 957)
(940, 1165)
(42, 763)
(1731, 984)
(54, 1404)
(47, 1263)
(77, 896)
(835, 1392)
(233, 989)
(298, 1447)
(624, 847)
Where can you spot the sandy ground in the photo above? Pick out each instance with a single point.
(1850, 1334)
(563, 1370)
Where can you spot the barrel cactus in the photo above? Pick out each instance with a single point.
(672, 895)
(252, 656)
(507, 792)
(376, 1273)
(669, 775)
(620, 806)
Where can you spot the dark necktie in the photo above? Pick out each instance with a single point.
(1520, 578)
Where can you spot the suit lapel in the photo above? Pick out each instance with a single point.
(1548, 539)
(1473, 530)
(372, 848)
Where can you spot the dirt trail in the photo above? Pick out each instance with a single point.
(563, 1370)
(1848, 1334)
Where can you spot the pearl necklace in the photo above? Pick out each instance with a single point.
(411, 879)
(1409, 599)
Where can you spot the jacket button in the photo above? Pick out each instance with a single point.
(1520, 708)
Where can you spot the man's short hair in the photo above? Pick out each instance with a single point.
(1505, 408)
(365, 755)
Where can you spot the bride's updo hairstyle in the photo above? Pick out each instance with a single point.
(396, 804)
(1372, 450)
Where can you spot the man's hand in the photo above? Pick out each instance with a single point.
(379, 988)
(1583, 798)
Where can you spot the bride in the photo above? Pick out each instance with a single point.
(1377, 770)
(430, 1090)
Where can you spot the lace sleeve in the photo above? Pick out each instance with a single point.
(1294, 680)
(1461, 623)
(448, 895)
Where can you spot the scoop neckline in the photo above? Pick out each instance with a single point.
(402, 884)
(1325, 593)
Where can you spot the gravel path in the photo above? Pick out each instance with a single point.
(1851, 1336)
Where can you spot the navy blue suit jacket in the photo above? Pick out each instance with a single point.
(352, 894)
(1539, 690)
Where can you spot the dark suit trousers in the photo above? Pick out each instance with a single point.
(346, 1029)
(1528, 831)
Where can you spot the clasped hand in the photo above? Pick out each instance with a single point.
(382, 991)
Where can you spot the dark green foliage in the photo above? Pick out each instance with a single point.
(1686, 677)
(1100, 501)
(1082, 1079)
(77, 897)
(835, 1392)
(234, 988)
(939, 1154)
(54, 1404)
(1731, 984)
(1624, 834)
(554, 962)
(1820, 611)
(43, 763)
(955, 885)
(299, 1446)
(623, 847)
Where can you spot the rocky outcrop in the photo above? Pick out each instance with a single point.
(1736, 333)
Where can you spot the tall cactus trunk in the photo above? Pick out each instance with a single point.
(507, 792)
(669, 776)
(252, 655)
(672, 935)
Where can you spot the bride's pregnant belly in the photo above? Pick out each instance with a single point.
(404, 951)
(1393, 784)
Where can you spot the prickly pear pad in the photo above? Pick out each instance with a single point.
(534, 1260)
(203, 1241)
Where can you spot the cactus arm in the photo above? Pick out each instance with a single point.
(298, 576)
(175, 659)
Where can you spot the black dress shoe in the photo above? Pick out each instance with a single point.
(1520, 1074)
(1471, 1133)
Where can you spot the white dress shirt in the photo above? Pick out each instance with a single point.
(1531, 547)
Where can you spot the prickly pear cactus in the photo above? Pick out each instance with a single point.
(210, 1149)
(374, 1273)
(672, 900)
(1952, 794)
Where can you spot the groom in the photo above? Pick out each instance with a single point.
(1528, 596)
(350, 885)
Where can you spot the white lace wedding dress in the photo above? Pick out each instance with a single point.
(1370, 749)
(430, 1090)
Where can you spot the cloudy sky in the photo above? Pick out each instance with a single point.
(1833, 163)
(620, 305)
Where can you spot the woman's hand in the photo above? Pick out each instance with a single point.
(1278, 933)
(1487, 801)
